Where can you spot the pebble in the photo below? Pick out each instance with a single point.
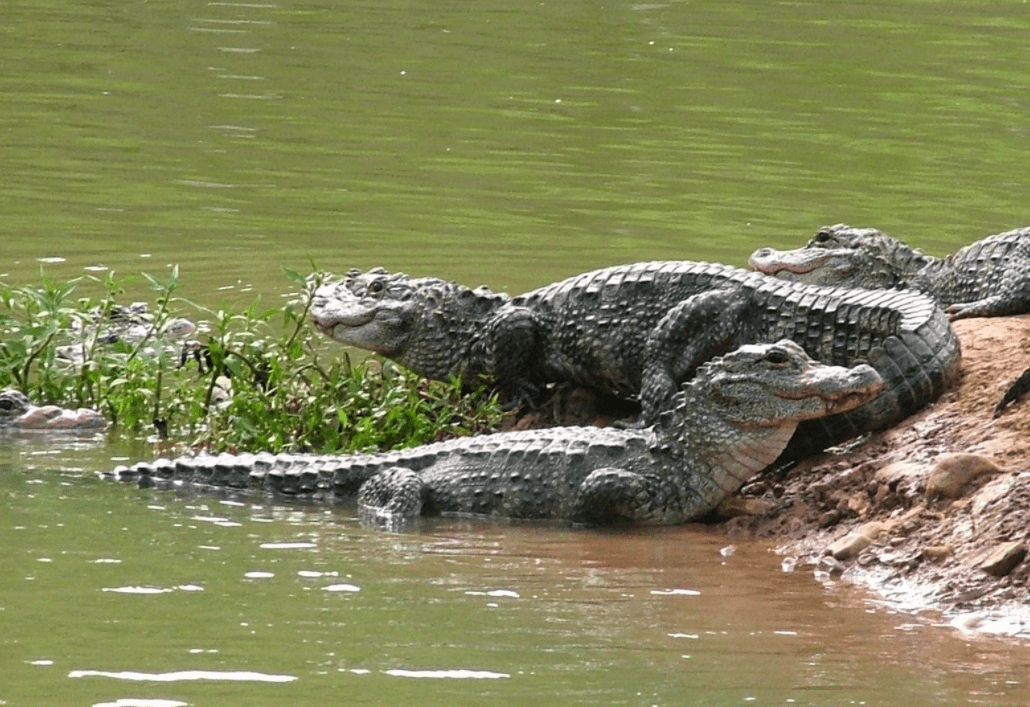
(937, 552)
(1003, 558)
(893, 473)
(733, 506)
(953, 472)
(830, 565)
(849, 546)
(858, 503)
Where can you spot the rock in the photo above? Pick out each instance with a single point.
(830, 565)
(1003, 558)
(734, 506)
(937, 553)
(881, 493)
(849, 546)
(952, 472)
(858, 503)
(893, 473)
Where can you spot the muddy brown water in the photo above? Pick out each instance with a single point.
(498, 144)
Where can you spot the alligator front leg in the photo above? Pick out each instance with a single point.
(696, 330)
(512, 340)
(393, 496)
(1012, 302)
(611, 494)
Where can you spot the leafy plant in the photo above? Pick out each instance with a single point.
(253, 379)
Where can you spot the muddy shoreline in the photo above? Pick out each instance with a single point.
(931, 514)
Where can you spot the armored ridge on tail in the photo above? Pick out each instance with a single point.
(989, 278)
(724, 426)
(641, 329)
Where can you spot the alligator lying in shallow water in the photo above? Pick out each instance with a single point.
(642, 330)
(17, 414)
(989, 278)
(728, 423)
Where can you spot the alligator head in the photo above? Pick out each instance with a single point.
(17, 413)
(744, 407)
(764, 385)
(839, 256)
(426, 324)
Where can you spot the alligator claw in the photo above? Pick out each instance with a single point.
(1017, 390)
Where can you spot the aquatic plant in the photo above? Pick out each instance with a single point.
(251, 378)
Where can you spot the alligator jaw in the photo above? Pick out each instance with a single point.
(783, 263)
(380, 331)
(850, 401)
(836, 395)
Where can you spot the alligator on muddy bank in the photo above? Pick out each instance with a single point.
(17, 414)
(989, 278)
(642, 329)
(728, 423)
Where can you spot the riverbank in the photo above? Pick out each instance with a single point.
(931, 514)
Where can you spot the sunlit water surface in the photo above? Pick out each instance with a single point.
(491, 143)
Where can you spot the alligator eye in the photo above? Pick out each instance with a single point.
(776, 357)
(6, 405)
(375, 287)
(822, 237)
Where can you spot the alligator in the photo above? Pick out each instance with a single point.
(724, 426)
(128, 325)
(640, 330)
(17, 414)
(989, 278)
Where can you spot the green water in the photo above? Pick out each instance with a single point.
(111, 593)
(500, 144)
(510, 144)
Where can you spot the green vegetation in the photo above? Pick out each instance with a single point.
(255, 379)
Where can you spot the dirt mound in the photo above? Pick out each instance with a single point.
(933, 513)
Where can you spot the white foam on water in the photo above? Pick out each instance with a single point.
(448, 674)
(183, 676)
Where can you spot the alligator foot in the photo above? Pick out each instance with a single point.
(610, 494)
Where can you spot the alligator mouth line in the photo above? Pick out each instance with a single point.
(861, 393)
(796, 269)
(850, 401)
(327, 326)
